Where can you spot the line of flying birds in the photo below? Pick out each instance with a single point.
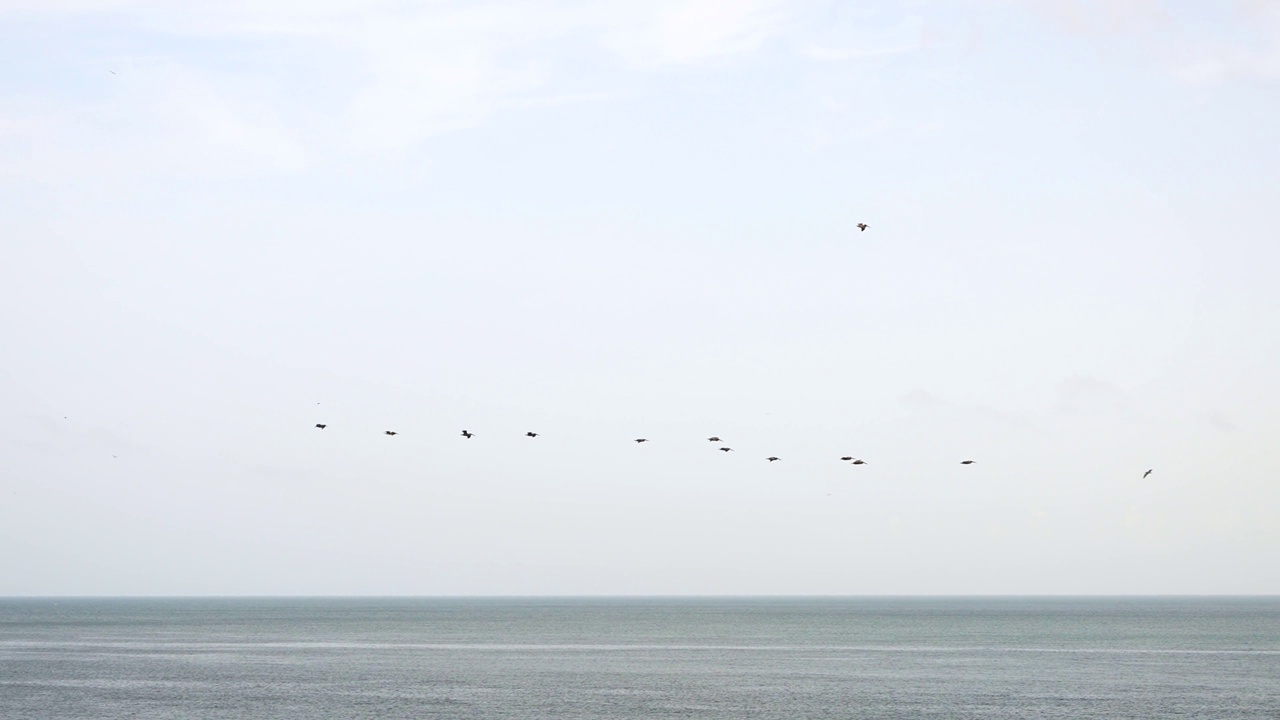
(714, 439)
(862, 227)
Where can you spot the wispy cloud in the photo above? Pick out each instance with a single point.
(1085, 394)
(866, 41)
(1093, 18)
(1251, 54)
(1200, 44)
(689, 31)
(1219, 421)
(386, 75)
(925, 402)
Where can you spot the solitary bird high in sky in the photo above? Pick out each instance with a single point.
(966, 462)
(772, 458)
(1145, 474)
(640, 440)
(320, 425)
(862, 227)
(467, 435)
(392, 432)
(531, 434)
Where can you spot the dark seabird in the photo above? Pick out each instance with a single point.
(772, 458)
(1145, 474)
(966, 462)
(321, 425)
(640, 440)
(713, 438)
(859, 462)
(467, 435)
(862, 227)
(847, 457)
(392, 432)
(726, 449)
(531, 434)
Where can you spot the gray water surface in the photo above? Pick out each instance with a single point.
(640, 658)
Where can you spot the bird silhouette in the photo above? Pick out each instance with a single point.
(392, 432)
(862, 227)
(726, 449)
(713, 438)
(640, 440)
(531, 434)
(847, 457)
(321, 425)
(772, 458)
(467, 435)
(966, 462)
(1145, 474)
(859, 462)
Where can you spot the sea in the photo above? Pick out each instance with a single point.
(603, 658)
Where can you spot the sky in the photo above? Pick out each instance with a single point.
(227, 221)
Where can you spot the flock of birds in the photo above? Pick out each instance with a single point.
(714, 439)
(862, 227)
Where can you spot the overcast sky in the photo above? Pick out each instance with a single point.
(225, 221)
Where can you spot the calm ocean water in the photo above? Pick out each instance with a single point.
(345, 659)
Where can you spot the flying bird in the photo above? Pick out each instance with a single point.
(847, 457)
(1145, 474)
(321, 425)
(966, 462)
(392, 432)
(772, 458)
(726, 449)
(467, 435)
(640, 440)
(713, 438)
(531, 434)
(862, 227)
(859, 462)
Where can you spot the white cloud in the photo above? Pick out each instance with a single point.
(1240, 39)
(1252, 52)
(1091, 17)
(688, 31)
(1085, 394)
(873, 42)
(158, 115)
(400, 72)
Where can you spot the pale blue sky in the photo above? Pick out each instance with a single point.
(603, 221)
